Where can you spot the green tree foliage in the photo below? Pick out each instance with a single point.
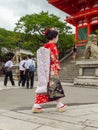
(37, 23)
(33, 26)
(8, 40)
(65, 42)
(29, 33)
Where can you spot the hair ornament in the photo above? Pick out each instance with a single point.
(45, 33)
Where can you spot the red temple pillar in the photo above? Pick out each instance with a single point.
(89, 29)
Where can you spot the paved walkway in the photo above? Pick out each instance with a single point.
(80, 117)
(83, 117)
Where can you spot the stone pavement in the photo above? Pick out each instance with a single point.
(79, 117)
(83, 117)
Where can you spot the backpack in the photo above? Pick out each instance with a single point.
(31, 68)
(5, 69)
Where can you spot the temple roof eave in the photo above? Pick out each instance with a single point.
(73, 6)
(88, 15)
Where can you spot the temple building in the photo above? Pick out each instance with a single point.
(83, 14)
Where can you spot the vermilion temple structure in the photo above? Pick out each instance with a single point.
(83, 14)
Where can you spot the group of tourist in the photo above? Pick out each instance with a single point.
(26, 72)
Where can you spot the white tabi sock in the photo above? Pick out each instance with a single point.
(37, 106)
(59, 104)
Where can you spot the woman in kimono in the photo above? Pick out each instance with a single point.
(48, 64)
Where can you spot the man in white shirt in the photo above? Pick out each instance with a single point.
(29, 73)
(22, 78)
(8, 66)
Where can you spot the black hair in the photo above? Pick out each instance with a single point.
(24, 57)
(29, 56)
(9, 58)
(50, 34)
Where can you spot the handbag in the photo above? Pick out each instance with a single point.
(5, 69)
(55, 90)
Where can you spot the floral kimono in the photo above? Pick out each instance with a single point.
(48, 64)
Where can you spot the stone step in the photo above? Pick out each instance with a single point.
(67, 80)
(69, 69)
